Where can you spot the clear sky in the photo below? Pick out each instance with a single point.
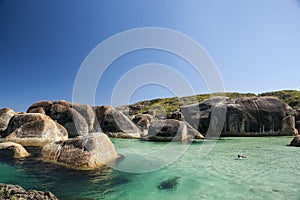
(255, 44)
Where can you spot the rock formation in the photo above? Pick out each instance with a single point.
(130, 110)
(296, 141)
(70, 119)
(172, 130)
(10, 192)
(83, 152)
(76, 118)
(251, 116)
(33, 129)
(114, 123)
(297, 119)
(142, 121)
(87, 112)
(12, 150)
(5, 115)
(175, 115)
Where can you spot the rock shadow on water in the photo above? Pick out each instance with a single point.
(169, 184)
(101, 180)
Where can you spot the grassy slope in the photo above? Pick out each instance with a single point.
(291, 97)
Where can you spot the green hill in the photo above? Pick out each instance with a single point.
(165, 105)
(290, 97)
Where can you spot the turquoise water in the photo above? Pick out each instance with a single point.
(270, 171)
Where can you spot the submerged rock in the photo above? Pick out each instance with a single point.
(170, 184)
(172, 130)
(33, 129)
(12, 150)
(114, 123)
(83, 152)
(251, 116)
(10, 192)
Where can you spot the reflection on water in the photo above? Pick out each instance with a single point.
(68, 183)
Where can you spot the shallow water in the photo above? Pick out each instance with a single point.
(270, 171)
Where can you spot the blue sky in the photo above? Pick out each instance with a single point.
(255, 44)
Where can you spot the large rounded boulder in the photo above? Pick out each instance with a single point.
(43, 107)
(251, 116)
(83, 152)
(78, 119)
(5, 115)
(70, 119)
(114, 123)
(12, 150)
(172, 130)
(34, 129)
(87, 113)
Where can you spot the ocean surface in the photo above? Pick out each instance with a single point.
(270, 171)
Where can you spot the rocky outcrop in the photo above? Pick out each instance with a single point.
(70, 119)
(87, 112)
(296, 141)
(5, 115)
(34, 129)
(42, 106)
(252, 116)
(142, 121)
(297, 119)
(37, 110)
(172, 130)
(114, 123)
(12, 150)
(175, 115)
(10, 192)
(78, 119)
(83, 152)
(130, 110)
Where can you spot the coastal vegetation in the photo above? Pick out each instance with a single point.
(165, 105)
(290, 97)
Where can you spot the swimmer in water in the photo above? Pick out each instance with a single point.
(239, 156)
